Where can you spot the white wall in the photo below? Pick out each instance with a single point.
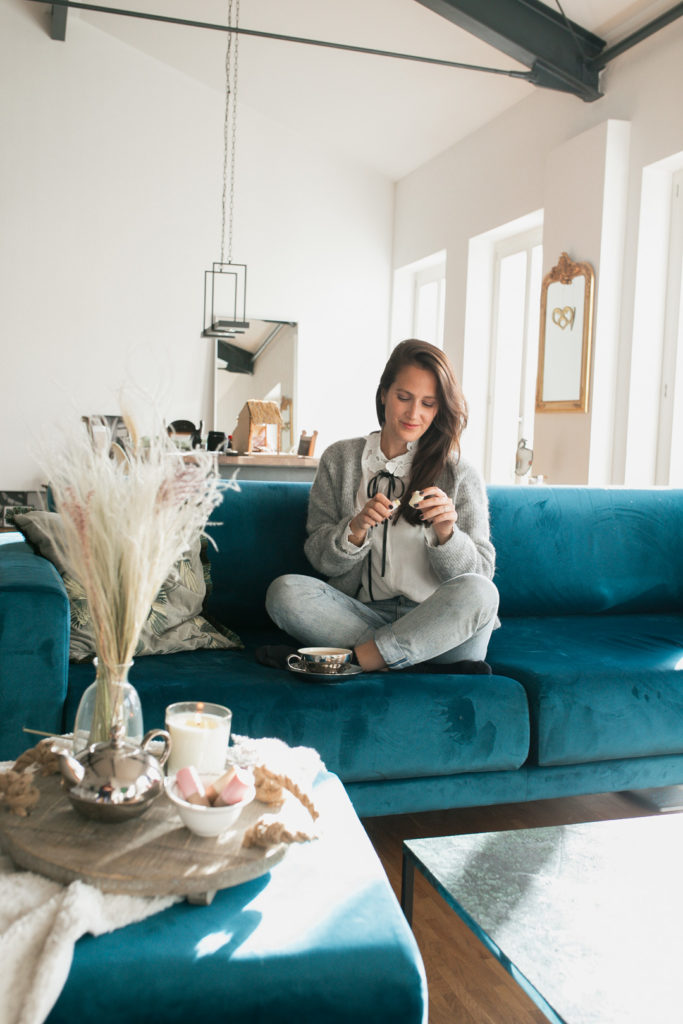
(110, 181)
(509, 168)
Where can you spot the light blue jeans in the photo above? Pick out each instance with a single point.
(453, 624)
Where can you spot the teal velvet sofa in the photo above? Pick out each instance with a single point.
(587, 687)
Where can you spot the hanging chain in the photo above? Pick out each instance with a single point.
(234, 127)
(230, 127)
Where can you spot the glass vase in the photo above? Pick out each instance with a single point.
(109, 707)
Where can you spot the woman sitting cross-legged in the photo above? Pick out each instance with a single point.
(398, 523)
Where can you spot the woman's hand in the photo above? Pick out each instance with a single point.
(374, 512)
(438, 510)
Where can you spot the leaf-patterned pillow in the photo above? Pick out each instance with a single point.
(175, 621)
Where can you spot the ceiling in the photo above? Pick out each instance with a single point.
(389, 114)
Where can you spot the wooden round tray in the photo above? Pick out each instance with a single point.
(153, 855)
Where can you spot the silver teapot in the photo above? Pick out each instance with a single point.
(116, 780)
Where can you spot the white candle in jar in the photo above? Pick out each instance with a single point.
(199, 733)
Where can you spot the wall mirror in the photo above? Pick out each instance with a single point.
(259, 363)
(564, 352)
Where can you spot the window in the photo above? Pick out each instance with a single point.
(504, 276)
(429, 304)
(514, 352)
(419, 302)
(653, 451)
(669, 464)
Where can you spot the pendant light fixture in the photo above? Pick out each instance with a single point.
(225, 285)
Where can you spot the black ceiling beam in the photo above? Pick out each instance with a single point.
(636, 37)
(347, 47)
(560, 53)
(58, 22)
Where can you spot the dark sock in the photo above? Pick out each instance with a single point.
(275, 655)
(457, 668)
(471, 668)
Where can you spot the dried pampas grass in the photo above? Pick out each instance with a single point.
(128, 514)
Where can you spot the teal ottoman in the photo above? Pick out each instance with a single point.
(321, 938)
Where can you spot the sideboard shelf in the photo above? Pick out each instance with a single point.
(268, 467)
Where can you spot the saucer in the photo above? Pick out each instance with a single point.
(328, 677)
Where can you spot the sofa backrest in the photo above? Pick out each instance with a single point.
(578, 550)
(259, 531)
(559, 550)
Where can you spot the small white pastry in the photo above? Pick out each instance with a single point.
(415, 499)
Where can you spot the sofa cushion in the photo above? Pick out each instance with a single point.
(577, 550)
(175, 621)
(318, 940)
(599, 687)
(379, 725)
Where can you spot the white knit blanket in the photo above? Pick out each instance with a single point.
(40, 920)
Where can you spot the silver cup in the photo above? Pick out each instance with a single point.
(326, 660)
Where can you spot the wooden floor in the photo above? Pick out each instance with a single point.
(467, 985)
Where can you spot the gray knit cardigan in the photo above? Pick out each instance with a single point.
(333, 504)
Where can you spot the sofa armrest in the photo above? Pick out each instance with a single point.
(34, 647)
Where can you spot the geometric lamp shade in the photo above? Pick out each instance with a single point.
(225, 298)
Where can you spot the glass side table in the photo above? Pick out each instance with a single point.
(588, 919)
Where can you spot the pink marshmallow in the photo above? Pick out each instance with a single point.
(191, 787)
(234, 790)
(214, 788)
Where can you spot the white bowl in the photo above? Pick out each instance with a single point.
(206, 821)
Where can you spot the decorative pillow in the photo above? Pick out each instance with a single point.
(175, 621)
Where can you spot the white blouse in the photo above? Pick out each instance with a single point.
(407, 569)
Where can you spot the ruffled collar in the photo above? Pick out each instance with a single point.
(374, 459)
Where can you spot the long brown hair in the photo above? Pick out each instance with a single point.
(442, 439)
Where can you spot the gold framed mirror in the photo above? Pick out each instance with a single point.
(566, 325)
